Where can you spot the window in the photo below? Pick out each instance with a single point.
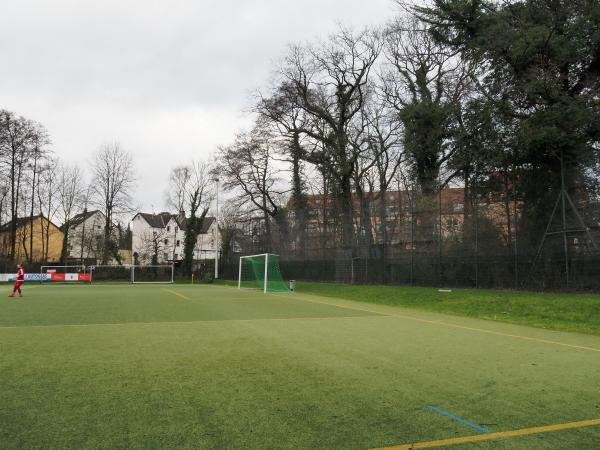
(166, 255)
(168, 228)
(166, 242)
(178, 242)
(452, 225)
(176, 256)
(176, 229)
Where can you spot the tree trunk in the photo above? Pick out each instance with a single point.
(65, 245)
(347, 210)
(107, 237)
(298, 199)
(31, 211)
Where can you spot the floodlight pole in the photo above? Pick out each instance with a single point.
(217, 237)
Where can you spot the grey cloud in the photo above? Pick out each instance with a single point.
(152, 74)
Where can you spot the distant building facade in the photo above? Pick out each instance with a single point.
(402, 219)
(85, 236)
(160, 238)
(37, 240)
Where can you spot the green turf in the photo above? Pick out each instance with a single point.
(557, 311)
(141, 367)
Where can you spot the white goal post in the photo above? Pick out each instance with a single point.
(249, 257)
(261, 272)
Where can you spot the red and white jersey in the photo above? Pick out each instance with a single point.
(20, 274)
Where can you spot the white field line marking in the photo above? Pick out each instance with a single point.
(175, 293)
(219, 321)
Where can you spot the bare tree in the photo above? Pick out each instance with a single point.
(16, 135)
(112, 185)
(376, 139)
(36, 164)
(425, 84)
(47, 196)
(176, 191)
(230, 217)
(248, 169)
(189, 191)
(71, 195)
(4, 197)
(153, 245)
(329, 83)
(282, 115)
(82, 237)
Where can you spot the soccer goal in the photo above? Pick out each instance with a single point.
(110, 273)
(261, 272)
(133, 273)
(153, 274)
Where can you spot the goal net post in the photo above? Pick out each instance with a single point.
(261, 272)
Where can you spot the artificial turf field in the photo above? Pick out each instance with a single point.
(182, 366)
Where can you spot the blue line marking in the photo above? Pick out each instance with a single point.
(458, 419)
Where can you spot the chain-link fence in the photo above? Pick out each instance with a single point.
(453, 238)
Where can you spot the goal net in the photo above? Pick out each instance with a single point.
(133, 274)
(261, 272)
(152, 274)
(111, 273)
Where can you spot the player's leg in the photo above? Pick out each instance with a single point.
(19, 289)
(12, 294)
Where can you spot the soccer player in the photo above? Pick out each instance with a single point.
(19, 282)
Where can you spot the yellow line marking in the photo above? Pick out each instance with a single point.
(447, 324)
(493, 436)
(516, 336)
(176, 293)
(189, 322)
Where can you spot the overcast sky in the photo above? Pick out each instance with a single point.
(169, 80)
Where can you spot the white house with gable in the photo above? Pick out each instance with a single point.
(85, 235)
(160, 238)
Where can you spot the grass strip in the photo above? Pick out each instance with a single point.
(555, 311)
